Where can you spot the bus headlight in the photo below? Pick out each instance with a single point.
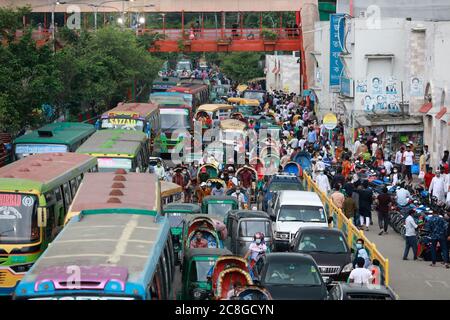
(21, 268)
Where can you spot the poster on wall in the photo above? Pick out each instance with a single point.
(368, 103)
(416, 87)
(361, 86)
(379, 102)
(391, 86)
(376, 85)
(393, 103)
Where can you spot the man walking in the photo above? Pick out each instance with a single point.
(437, 187)
(384, 200)
(438, 233)
(365, 205)
(410, 236)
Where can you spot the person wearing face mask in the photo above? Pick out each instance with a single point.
(256, 248)
(361, 252)
(169, 175)
(240, 197)
(437, 187)
(307, 244)
(159, 171)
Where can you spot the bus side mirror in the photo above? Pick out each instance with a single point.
(42, 217)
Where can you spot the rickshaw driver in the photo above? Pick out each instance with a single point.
(232, 292)
(256, 249)
(199, 241)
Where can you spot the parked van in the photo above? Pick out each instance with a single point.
(292, 210)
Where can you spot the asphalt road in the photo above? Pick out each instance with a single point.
(411, 280)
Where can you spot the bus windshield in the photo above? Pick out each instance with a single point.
(24, 150)
(18, 218)
(112, 164)
(123, 123)
(184, 65)
(174, 118)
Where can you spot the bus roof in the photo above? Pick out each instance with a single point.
(113, 142)
(214, 107)
(132, 242)
(109, 190)
(130, 109)
(58, 133)
(169, 188)
(188, 88)
(39, 172)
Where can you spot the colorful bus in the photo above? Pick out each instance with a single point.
(118, 149)
(119, 246)
(169, 97)
(141, 117)
(35, 194)
(196, 93)
(177, 121)
(53, 137)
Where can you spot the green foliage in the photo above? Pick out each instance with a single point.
(269, 34)
(242, 66)
(11, 20)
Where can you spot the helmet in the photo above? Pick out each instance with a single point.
(258, 235)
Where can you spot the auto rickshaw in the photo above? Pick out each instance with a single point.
(242, 226)
(252, 292)
(171, 192)
(219, 205)
(196, 265)
(227, 271)
(212, 228)
(232, 131)
(254, 174)
(293, 168)
(216, 112)
(211, 170)
(176, 213)
(239, 116)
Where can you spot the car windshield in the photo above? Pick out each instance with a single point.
(219, 209)
(174, 118)
(303, 274)
(18, 218)
(301, 213)
(281, 186)
(250, 227)
(323, 242)
(200, 269)
(112, 164)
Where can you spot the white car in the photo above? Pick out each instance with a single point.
(293, 210)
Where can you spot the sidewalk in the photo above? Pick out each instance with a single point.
(410, 279)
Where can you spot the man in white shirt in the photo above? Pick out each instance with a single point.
(402, 196)
(410, 236)
(360, 275)
(437, 186)
(322, 182)
(301, 143)
(408, 161)
(356, 146)
(388, 166)
(159, 171)
(374, 146)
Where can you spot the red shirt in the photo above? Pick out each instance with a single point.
(246, 178)
(178, 179)
(428, 177)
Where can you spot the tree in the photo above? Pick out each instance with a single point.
(242, 66)
(11, 20)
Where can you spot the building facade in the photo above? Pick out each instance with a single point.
(393, 80)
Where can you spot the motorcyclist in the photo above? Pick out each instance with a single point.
(256, 249)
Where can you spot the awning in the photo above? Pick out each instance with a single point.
(426, 107)
(441, 112)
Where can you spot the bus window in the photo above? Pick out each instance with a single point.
(58, 194)
(168, 258)
(67, 196)
(155, 287)
(79, 179)
(73, 186)
(165, 272)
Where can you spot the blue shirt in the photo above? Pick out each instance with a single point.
(312, 136)
(438, 227)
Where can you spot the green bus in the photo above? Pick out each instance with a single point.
(35, 195)
(53, 137)
(118, 149)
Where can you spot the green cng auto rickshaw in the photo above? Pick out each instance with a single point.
(219, 205)
(196, 265)
(176, 213)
